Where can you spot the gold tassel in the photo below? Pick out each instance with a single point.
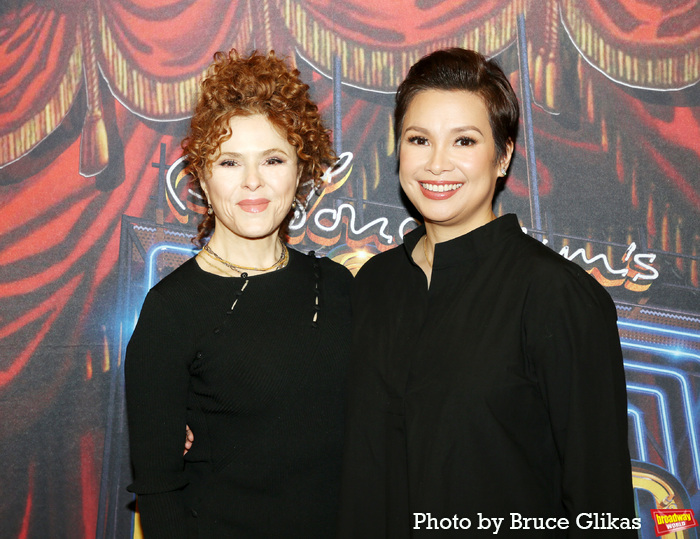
(546, 72)
(590, 101)
(665, 236)
(88, 366)
(94, 146)
(391, 137)
(604, 134)
(589, 245)
(619, 159)
(105, 347)
(679, 244)
(553, 81)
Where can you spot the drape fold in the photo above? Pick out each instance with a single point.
(153, 53)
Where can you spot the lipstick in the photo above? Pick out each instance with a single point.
(254, 205)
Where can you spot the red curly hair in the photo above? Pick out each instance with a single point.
(256, 84)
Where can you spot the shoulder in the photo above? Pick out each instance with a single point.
(183, 275)
(330, 271)
(166, 311)
(382, 264)
(552, 279)
(377, 277)
(177, 289)
(547, 265)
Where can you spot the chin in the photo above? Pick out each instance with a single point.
(438, 217)
(259, 235)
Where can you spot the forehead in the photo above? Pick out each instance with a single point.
(254, 132)
(451, 107)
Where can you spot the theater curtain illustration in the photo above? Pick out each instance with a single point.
(95, 98)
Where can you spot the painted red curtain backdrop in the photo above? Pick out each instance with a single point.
(651, 44)
(94, 98)
(376, 42)
(400, 24)
(153, 53)
(40, 75)
(150, 34)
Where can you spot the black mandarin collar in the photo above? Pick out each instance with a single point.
(470, 246)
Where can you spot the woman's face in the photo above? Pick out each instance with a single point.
(253, 179)
(447, 162)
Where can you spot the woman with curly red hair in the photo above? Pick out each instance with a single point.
(246, 342)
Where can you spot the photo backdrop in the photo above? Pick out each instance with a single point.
(94, 100)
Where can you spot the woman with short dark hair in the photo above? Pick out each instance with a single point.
(486, 373)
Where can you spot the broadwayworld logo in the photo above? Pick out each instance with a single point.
(673, 520)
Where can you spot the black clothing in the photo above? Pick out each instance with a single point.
(260, 383)
(500, 389)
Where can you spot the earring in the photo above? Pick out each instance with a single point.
(210, 210)
(504, 170)
(294, 204)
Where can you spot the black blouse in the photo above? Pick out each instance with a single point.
(500, 389)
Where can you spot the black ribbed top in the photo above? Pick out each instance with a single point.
(256, 367)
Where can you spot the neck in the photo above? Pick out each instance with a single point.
(257, 253)
(438, 233)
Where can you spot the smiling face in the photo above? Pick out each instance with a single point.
(252, 181)
(447, 165)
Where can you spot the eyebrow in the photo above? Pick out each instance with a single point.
(460, 129)
(264, 154)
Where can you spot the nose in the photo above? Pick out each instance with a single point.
(253, 179)
(439, 160)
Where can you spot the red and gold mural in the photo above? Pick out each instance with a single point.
(94, 100)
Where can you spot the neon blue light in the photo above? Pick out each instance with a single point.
(636, 416)
(152, 256)
(660, 348)
(657, 328)
(687, 405)
(664, 421)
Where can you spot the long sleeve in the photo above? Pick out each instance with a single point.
(574, 348)
(157, 378)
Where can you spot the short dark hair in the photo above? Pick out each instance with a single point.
(467, 70)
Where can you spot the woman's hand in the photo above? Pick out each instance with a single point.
(189, 439)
